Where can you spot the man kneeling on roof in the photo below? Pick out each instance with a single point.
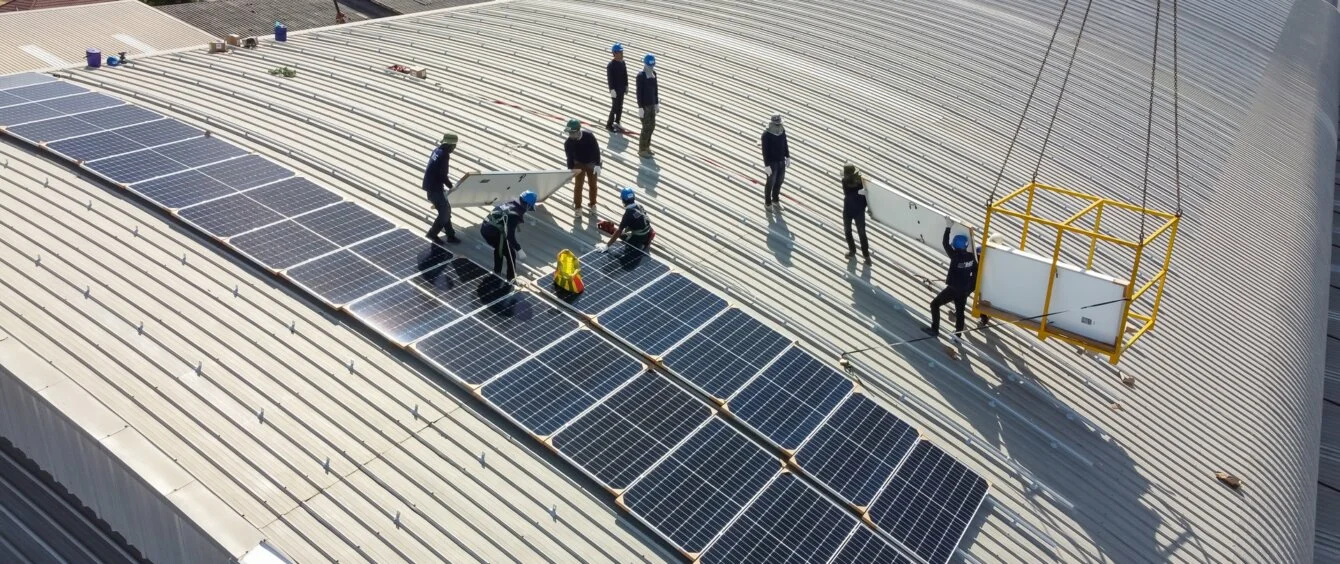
(499, 230)
(635, 228)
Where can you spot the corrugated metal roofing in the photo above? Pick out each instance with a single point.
(416, 6)
(37, 524)
(20, 5)
(43, 39)
(256, 17)
(924, 95)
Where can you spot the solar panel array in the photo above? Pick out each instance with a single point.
(674, 463)
(862, 453)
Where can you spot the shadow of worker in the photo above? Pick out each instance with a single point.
(779, 237)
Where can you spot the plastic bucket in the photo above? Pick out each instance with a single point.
(281, 32)
(93, 57)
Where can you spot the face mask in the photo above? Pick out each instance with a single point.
(575, 134)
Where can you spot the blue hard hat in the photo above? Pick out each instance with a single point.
(627, 194)
(529, 198)
(960, 242)
(649, 60)
(617, 48)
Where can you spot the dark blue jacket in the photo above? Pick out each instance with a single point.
(962, 275)
(647, 94)
(635, 221)
(853, 202)
(435, 175)
(585, 150)
(616, 77)
(505, 218)
(775, 148)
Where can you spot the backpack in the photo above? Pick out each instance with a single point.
(568, 274)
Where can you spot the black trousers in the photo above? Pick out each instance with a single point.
(616, 112)
(443, 221)
(503, 253)
(855, 213)
(960, 299)
(772, 190)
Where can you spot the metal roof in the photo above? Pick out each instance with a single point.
(416, 6)
(256, 17)
(20, 5)
(43, 39)
(924, 94)
(38, 524)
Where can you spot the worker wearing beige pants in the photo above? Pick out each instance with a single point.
(584, 172)
(583, 153)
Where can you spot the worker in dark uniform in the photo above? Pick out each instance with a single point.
(648, 104)
(616, 77)
(960, 281)
(854, 206)
(499, 230)
(436, 183)
(635, 228)
(776, 158)
(583, 152)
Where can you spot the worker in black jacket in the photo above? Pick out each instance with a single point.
(648, 104)
(583, 152)
(635, 227)
(776, 159)
(436, 184)
(499, 230)
(616, 78)
(960, 281)
(854, 206)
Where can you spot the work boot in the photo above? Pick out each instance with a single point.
(866, 255)
(610, 128)
(453, 239)
(932, 331)
(851, 253)
(983, 321)
(433, 236)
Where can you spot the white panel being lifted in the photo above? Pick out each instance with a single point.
(489, 188)
(906, 215)
(1014, 282)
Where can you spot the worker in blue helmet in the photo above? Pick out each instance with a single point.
(960, 281)
(583, 152)
(648, 104)
(499, 230)
(635, 227)
(436, 183)
(616, 78)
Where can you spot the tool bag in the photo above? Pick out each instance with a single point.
(568, 275)
(607, 226)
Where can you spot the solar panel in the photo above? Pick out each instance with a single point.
(344, 223)
(622, 436)
(282, 245)
(230, 216)
(788, 523)
(46, 90)
(293, 196)
(929, 503)
(10, 100)
(182, 189)
(159, 132)
(81, 103)
(93, 147)
(120, 116)
(558, 384)
(865, 546)
(663, 313)
(247, 172)
(199, 151)
(52, 129)
(701, 486)
(527, 320)
(790, 398)
(725, 354)
(857, 449)
(471, 351)
(136, 167)
(462, 284)
(24, 113)
(610, 277)
(24, 79)
(403, 312)
(340, 277)
(402, 253)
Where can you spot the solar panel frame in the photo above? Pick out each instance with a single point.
(47, 90)
(281, 245)
(94, 146)
(54, 129)
(526, 319)
(198, 152)
(470, 351)
(229, 216)
(790, 399)
(790, 522)
(339, 278)
(121, 116)
(24, 79)
(857, 449)
(158, 132)
(663, 314)
(7, 100)
(722, 356)
(864, 546)
(403, 253)
(11, 116)
(929, 503)
(345, 223)
(246, 172)
(293, 196)
(622, 274)
(81, 103)
(404, 313)
(135, 167)
(184, 189)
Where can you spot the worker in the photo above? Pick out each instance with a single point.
(648, 104)
(960, 281)
(776, 158)
(616, 77)
(499, 230)
(436, 183)
(854, 206)
(635, 228)
(583, 152)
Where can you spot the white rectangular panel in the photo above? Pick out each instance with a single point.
(1016, 282)
(489, 188)
(912, 218)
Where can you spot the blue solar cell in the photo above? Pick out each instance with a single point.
(471, 351)
(53, 129)
(610, 277)
(662, 314)
(181, 190)
(462, 284)
(701, 486)
(95, 146)
(293, 196)
(230, 216)
(621, 437)
(726, 353)
(527, 320)
(857, 449)
(790, 398)
(10, 100)
(865, 547)
(200, 151)
(561, 382)
(404, 312)
(24, 79)
(929, 503)
(81, 103)
(120, 116)
(24, 113)
(135, 167)
(345, 223)
(159, 132)
(403, 253)
(340, 278)
(789, 523)
(247, 172)
(282, 245)
(46, 90)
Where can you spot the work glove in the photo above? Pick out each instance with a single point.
(641, 112)
(601, 247)
(769, 169)
(862, 192)
(520, 254)
(949, 222)
(597, 169)
(787, 163)
(656, 108)
(613, 94)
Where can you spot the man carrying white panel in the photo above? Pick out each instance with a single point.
(499, 230)
(959, 281)
(583, 152)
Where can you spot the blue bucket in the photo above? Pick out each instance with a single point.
(93, 57)
(281, 32)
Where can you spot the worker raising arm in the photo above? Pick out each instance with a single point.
(436, 183)
(960, 281)
(854, 206)
(583, 152)
(635, 228)
(499, 230)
